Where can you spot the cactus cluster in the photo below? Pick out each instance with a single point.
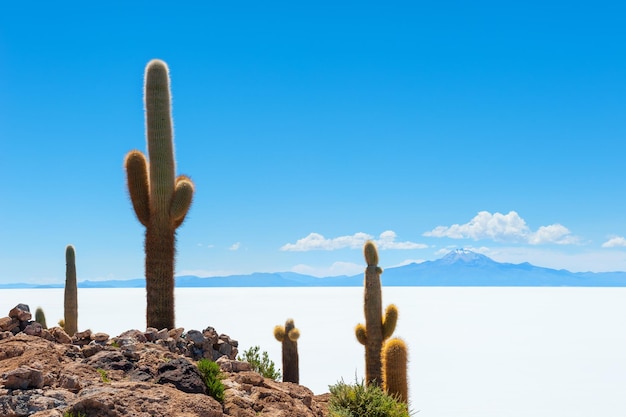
(160, 199)
(288, 335)
(385, 365)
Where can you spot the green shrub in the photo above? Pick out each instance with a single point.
(359, 400)
(103, 375)
(212, 378)
(260, 363)
(71, 414)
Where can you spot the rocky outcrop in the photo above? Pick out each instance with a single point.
(150, 373)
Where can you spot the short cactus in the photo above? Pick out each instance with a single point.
(70, 306)
(288, 335)
(160, 199)
(395, 360)
(377, 327)
(40, 317)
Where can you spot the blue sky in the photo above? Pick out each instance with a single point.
(310, 127)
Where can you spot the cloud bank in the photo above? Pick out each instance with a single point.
(505, 228)
(315, 241)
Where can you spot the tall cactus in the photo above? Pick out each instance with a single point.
(70, 306)
(160, 199)
(288, 335)
(377, 327)
(395, 360)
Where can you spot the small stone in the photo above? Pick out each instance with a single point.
(195, 336)
(100, 337)
(9, 323)
(91, 349)
(24, 377)
(60, 336)
(176, 333)
(34, 329)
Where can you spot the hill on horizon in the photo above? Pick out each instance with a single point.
(459, 268)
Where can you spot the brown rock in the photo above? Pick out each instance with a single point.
(20, 312)
(42, 378)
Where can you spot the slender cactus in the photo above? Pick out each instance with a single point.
(40, 317)
(288, 335)
(395, 359)
(377, 327)
(160, 199)
(70, 307)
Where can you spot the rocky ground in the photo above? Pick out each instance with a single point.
(46, 373)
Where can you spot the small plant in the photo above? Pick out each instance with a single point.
(260, 363)
(71, 414)
(212, 378)
(360, 400)
(103, 375)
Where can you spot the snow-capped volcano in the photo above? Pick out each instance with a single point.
(464, 256)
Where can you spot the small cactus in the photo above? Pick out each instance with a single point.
(288, 335)
(70, 306)
(395, 360)
(377, 327)
(160, 199)
(40, 317)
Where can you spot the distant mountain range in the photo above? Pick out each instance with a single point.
(459, 268)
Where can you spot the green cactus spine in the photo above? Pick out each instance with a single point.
(288, 335)
(395, 360)
(377, 327)
(40, 317)
(70, 307)
(160, 199)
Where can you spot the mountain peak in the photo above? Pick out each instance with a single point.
(465, 256)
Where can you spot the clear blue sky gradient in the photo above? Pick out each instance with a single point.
(309, 127)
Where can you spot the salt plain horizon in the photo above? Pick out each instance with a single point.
(476, 352)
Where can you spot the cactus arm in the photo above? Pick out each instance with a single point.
(138, 188)
(395, 359)
(181, 200)
(389, 321)
(294, 334)
(361, 334)
(279, 333)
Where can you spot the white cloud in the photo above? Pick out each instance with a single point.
(387, 240)
(337, 268)
(315, 241)
(504, 228)
(615, 242)
(235, 246)
(407, 262)
(555, 233)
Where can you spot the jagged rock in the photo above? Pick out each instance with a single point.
(110, 360)
(60, 336)
(183, 375)
(9, 323)
(23, 377)
(21, 312)
(100, 337)
(34, 329)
